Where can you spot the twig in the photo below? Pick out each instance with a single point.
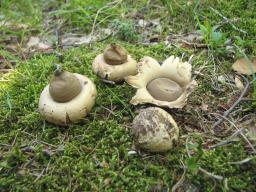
(195, 45)
(227, 112)
(47, 167)
(108, 81)
(242, 161)
(40, 141)
(227, 20)
(105, 38)
(40, 175)
(14, 140)
(228, 141)
(110, 111)
(218, 177)
(241, 133)
(181, 180)
(190, 59)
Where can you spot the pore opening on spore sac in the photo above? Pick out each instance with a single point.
(64, 87)
(115, 54)
(164, 89)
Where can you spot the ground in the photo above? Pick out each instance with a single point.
(95, 154)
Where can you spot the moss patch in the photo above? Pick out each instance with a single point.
(93, 154)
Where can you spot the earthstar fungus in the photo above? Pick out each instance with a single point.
(114, 64)
(167, 85)
(154, 130)
(68, 98)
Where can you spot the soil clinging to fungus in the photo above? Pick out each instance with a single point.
(154, 130)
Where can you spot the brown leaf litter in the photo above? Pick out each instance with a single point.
(189, 40)
(245, 66)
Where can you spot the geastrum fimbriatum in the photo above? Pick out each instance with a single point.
(114, 64)
(154, 130)
(68, 98)
(166, 85)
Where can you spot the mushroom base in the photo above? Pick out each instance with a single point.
(71, 111)
(114, 73)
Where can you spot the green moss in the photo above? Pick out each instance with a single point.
(93, 154)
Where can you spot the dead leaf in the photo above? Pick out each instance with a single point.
(13, 48)
(191, 39)
(43, 46)
(239, 83)
(13, 25)
(106, 31)
(158, 28)
(72, 40)
(204, 107)
(107, 181)
(251, 127)
(249, 122)
(142, 23)
(222, 79)
(33, 41)
(149, 30)
(6, 66)
(38, 44)
(187, 186)
(252, 133)
(243, 66)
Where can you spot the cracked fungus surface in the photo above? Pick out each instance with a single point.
(154, 130)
